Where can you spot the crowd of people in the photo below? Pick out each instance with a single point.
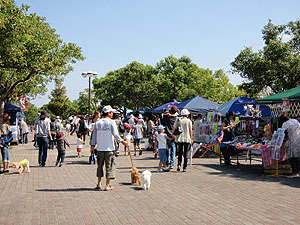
(168, 136)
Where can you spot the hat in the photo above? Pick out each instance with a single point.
(126, 125)
(140, 116)
(174, 108)
(44, 114)
(108, 109)
(59, 135)
(136, 120)
(185, 112)
(160, 127)
(57, 117)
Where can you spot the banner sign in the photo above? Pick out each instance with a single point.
(23, 103)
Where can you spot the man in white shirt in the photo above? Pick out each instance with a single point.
(104, 134)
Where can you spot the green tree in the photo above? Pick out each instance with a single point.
(31, 113)
(83, 102)
(137, 85)
(132, 86)
(31, 53)
(277, 65)
(59, 104)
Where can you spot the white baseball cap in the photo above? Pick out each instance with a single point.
(108, 109)
(185, 112)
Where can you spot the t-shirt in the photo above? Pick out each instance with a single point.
(162, 140)
(42, 128)
(186, 125)
(79, 144)
(168, 121)
(137, 134)
(105, 131)
(68, 126)
(127, 135)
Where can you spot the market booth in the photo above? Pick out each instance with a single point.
(270, 145)
(165, 106)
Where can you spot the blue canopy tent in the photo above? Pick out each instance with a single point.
(198, 105)
(162, 108)
(237, 106)
(9, 107)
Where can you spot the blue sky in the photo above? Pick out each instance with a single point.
(116, 32)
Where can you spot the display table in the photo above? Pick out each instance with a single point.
(257, 146)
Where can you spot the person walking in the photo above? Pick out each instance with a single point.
(25, 132)
(53, 130)
(168, 121)
(185, 138)
(58, 123)
(82, 127)
(43, 132)
(104, 133)
(137, 131)
(61, 144)
(4, 146)
(161, 144)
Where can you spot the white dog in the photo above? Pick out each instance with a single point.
(146, 179)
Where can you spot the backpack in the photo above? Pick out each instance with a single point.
(52, 126)
(8, 138)
(121, 128)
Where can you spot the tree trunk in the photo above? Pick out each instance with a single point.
(2, 104)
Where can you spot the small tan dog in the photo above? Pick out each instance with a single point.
(135, 178)
(22, 165)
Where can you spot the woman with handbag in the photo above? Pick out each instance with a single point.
(184, 127)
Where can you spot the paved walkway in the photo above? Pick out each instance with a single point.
(206, 194)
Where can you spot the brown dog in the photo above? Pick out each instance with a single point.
(135, 178)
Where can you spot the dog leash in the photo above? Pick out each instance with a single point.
(130, 158)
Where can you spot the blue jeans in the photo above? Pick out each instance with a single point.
(172, 152)
(61, 156)
(162, 155)
(5, 153)
(43, 149)
(184, 149)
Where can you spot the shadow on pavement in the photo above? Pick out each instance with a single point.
(249, 172)
(125, 183)
(77, 162)
(138, 188)
(66, 190)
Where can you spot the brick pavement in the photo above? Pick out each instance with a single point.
(206, 194)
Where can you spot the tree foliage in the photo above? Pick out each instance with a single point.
(137, 85)
(59, 104)
(31, 53)
(277, 65)
(31, 113)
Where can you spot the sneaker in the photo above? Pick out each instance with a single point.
(159, 170)
(134, 154)
(171, 167)
(178, 168)
(184, 170)
(56, 163)
(60, 165)
(294, 176)
(166, 169)
(140, 153)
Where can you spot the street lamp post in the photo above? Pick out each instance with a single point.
(90, 74)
